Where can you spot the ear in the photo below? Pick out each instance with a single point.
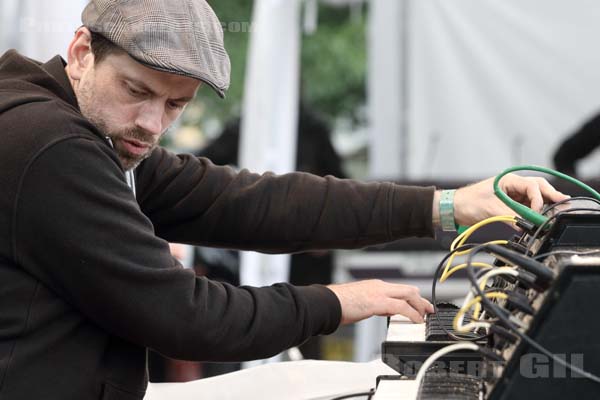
(79, 54)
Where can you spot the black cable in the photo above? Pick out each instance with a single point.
(567, 252)
(551, 207)
(434, 298)
(481, 272)
(543, 226)
(549, 220)
(370, 393)
(500, 314)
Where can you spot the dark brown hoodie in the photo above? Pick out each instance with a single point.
(87, 282)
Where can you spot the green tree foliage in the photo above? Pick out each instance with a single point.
(333, 61)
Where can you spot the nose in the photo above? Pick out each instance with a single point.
(150, 118)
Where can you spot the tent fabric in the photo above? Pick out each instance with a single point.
(497, 83)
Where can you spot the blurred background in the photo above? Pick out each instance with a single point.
(415, 91)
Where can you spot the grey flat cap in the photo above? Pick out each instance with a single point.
(183, 37)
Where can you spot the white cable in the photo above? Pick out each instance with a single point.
(497, 271)
(473, 326)
(440, 353)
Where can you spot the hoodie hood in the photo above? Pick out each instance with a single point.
(40, 81)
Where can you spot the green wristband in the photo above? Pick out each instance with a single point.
(447, 211)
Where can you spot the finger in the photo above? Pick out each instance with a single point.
(419, 305)
(534, 195)
(517, 188)
(428, 306)
(411, 295)
(549, 192)
(396, 306)
(405, 292)
(424, 307)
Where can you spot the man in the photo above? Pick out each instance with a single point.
(88, 283)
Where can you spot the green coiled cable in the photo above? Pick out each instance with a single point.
(524, 211)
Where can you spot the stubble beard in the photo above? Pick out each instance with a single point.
(90, 107)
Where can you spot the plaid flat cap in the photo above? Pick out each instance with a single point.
(183, 37)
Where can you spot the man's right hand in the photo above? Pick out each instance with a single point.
(364, 299)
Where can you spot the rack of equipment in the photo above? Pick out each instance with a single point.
(527, 327)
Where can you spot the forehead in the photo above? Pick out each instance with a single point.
(121, 65)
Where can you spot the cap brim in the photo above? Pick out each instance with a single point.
(220, 92)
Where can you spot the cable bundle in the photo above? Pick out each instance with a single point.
(498, 305)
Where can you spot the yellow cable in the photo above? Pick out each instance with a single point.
(484, 281)
(463, 266)
(462, 238)
(446, 272)
(464, 252)
(476, 300)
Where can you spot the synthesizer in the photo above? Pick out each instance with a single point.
(535, 332)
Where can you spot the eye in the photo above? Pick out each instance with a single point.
(133, 91)
(175, 106)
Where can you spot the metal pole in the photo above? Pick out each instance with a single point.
(270, 114)
(388, 88)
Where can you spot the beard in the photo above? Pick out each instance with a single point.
(90, 106)
(128, 159)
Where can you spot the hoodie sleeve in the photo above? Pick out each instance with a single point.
(190, 200)
(80, 231)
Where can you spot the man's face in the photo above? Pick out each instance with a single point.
(132, 104)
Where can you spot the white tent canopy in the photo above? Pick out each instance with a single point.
(483, 84)
(270, 115)
(39, 29)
